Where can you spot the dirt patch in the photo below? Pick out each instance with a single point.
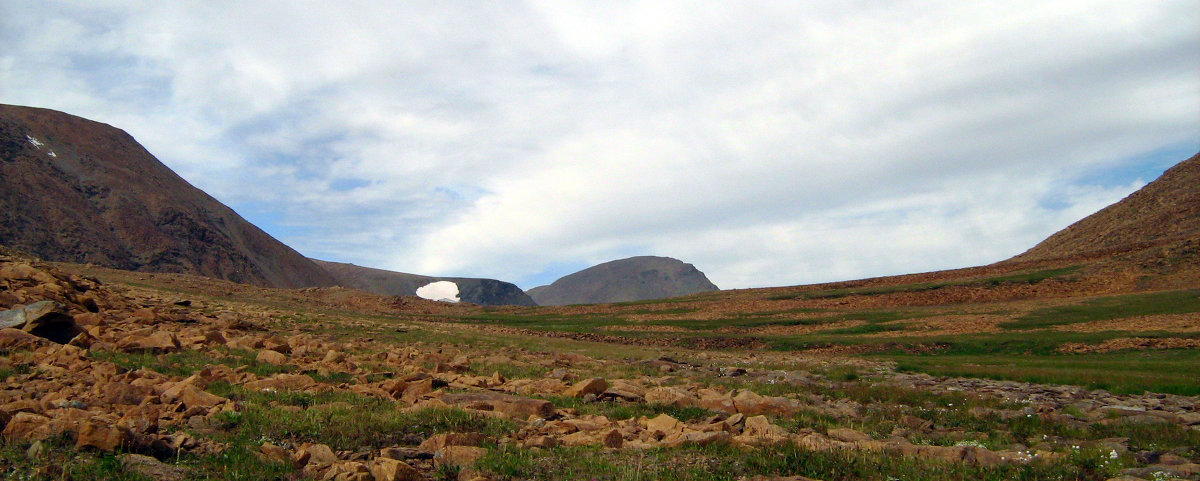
(1130, 343)
(790, 330)
(946, 325)
(642, 328)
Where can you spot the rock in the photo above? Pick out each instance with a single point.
(438, 442)
(716, 401)
(46, 319)
(275, 454)
(14, 339)
(272, 357)
(102, 436)
(313, 454)
(664, 424)
(670, 396)
(26, 426)
(541, 442)
(158, 342)
(384, 469)
(512, 406)
(152, 468)
(760, 427)
(594, 386)
(750, 404)
(460, 456)
(612, 439)
(283, 382)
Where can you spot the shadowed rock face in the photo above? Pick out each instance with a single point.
(74, 190)
(633, 279)
(485, 292)
(1166, 211)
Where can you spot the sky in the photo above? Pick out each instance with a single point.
(768, 143)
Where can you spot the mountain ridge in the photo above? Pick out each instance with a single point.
(637, 278)
(77, 190)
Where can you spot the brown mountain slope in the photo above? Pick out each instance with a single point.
(75, 190)
(633, 279)
(1163, 212)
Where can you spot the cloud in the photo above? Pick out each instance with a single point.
(768, 143)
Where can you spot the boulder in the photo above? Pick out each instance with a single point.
(152, 468)
(670, 396)
(282, 382)
(46, 319)
(272, 357)
(665, 424)
(438, 442)
(385, 469)
(460, 456)
(594, 386)
(102, 436)
(26, 426)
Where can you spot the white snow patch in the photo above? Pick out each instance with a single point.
(444, 291)
(36, 143)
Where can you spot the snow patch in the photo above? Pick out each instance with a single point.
(36, 143)
(444, 291)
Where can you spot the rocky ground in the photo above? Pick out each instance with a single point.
(134, 382)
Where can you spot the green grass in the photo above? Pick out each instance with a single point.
(1123, 372)
(724, 462)
(187, 361)
(344, 421)
(1112, 307)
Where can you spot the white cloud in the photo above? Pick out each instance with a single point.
(767, 143)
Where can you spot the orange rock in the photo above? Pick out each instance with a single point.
(272, 357)
(384, 469)
(283, 382)
(438, 442)
(664, 424)
(671, 396)
(593, 386)
(25, 426)
(460, 456)
(105, 437)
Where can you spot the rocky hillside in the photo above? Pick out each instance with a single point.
(485, 292)
(75, 190)
(1166, 211)
(633, 279)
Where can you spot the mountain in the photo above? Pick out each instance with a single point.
(485, 292)
(1163, 213)
(75, 190)
(633, 279)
